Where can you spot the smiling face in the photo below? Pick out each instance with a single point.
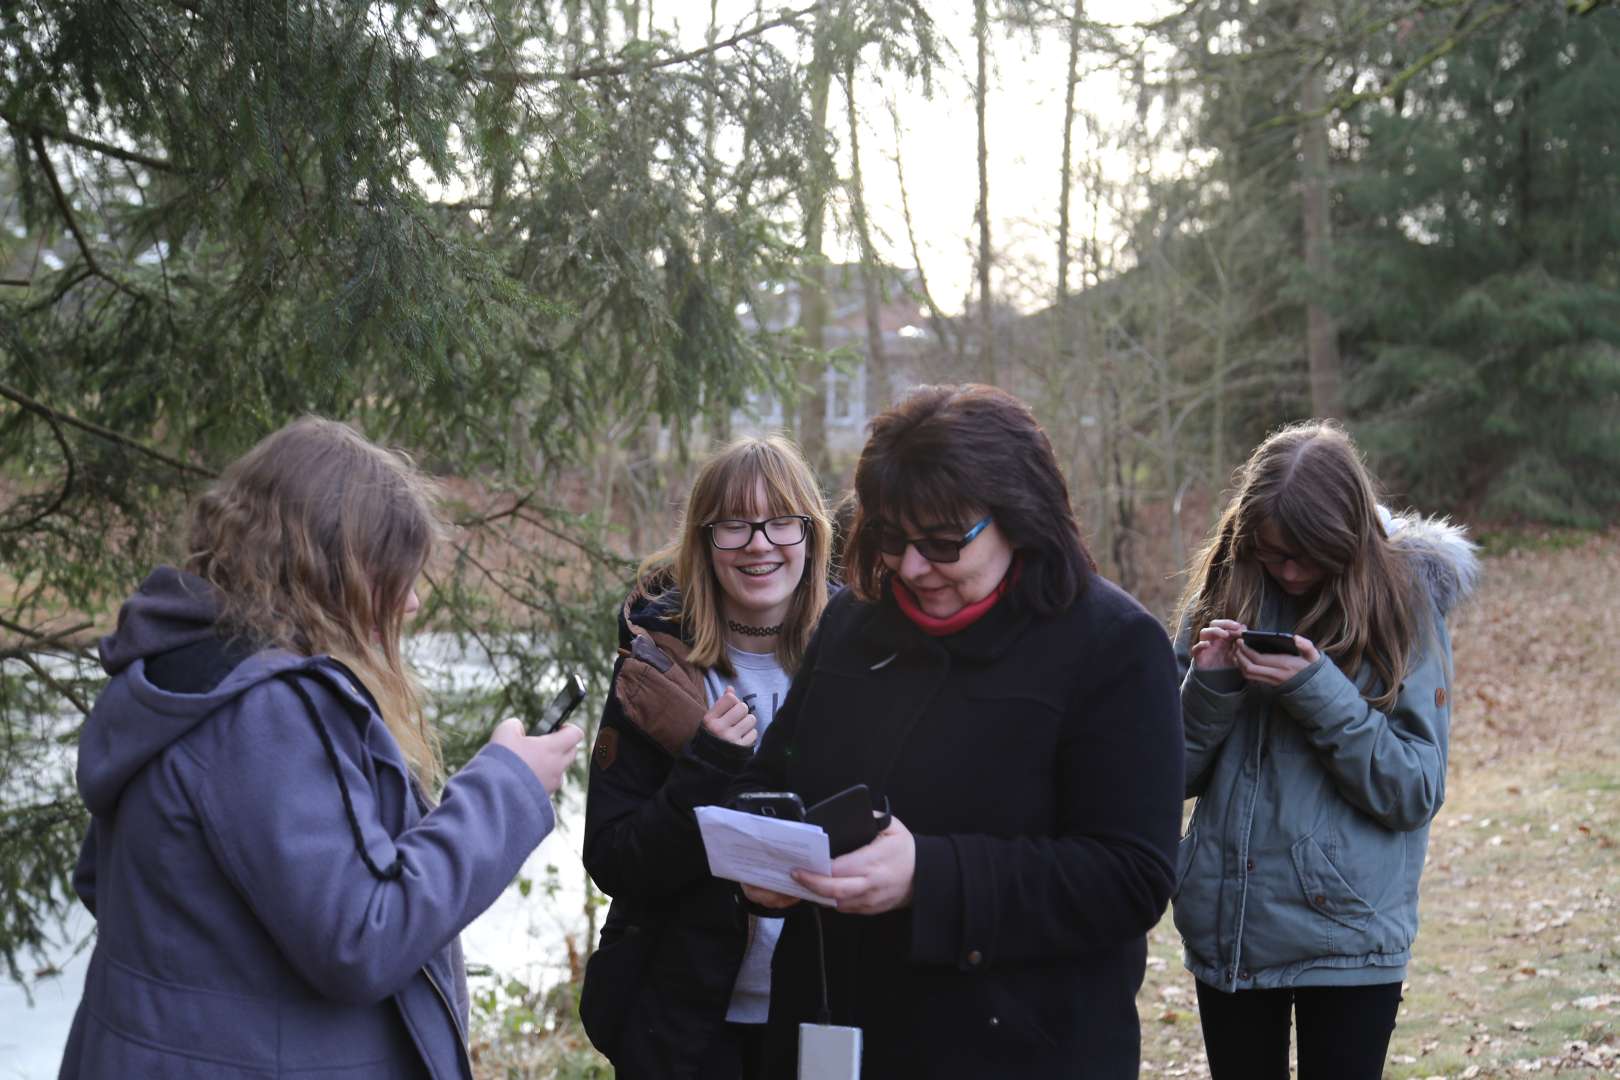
(757, 581)
(942, 589)
(1294, 573)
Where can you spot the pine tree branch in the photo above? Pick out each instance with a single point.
(39, 642)
(100, 432)
(72, 222)
(609, 71)
(1458, 35)
(67, 482)
(18, 283)
(45, 677)
(96, 145)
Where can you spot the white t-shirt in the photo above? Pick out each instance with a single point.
(761, 684)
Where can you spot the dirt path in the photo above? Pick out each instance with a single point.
(1516, 969)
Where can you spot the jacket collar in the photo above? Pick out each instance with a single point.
(887, 632)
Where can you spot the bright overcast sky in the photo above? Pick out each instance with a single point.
(938, 144)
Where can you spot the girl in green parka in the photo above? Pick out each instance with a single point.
(1317, 769)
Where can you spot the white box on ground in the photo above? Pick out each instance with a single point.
(829, 1052)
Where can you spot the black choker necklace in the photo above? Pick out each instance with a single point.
(753, 631)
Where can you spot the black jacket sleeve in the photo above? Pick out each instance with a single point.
(641, 838)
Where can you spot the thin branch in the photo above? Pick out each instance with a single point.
(18, 283)
(67, 483)
(72, 222)
(608, 71)
(491, 518)
(100, 432)
(96, 145)
(65, 691)
(1342, 102)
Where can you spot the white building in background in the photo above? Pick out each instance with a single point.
(853, 396)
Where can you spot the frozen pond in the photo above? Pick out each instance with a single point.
(517, 937)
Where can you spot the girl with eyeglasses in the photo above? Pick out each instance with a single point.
(1317, 768)
(1018, 713)
(717, 624)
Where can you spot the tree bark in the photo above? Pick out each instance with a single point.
(1321, 331)
(878, 391)
(987, 352)
(812, 405)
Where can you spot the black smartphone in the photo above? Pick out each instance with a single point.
(848, 819)
(556, 711)
(777, 804)
(1270, 641)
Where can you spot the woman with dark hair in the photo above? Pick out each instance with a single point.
(1018, 713)
(277, 891)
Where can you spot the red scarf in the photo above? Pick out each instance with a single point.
(934, 626)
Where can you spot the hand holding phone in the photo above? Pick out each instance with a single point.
(556, 711)
(547, 756)
(1215, 647)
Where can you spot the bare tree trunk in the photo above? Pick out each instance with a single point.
(987, 352)
(1068, 148)
(1321, 333)
(812, 426)
(719, 415)
(948, 341)
(873, 279)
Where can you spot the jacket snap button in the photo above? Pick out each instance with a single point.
(1243, 974)
(1251, 866)
(1319, 900)
(974, 957)
(995, 1021)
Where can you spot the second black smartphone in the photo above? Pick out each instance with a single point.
(1270, 641)
(556, 711)
(777, 804)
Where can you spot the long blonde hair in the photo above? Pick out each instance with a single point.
(314, 539)
(1310, 481)
(725, 488)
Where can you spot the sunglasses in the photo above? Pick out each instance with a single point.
(935, 549)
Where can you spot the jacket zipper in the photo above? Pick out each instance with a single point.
(461, 1038)
(1243, 853)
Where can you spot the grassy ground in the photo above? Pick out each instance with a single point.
(1517, 965)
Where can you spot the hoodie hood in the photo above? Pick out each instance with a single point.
(134, 720)
(172, 609)
(1446, 561)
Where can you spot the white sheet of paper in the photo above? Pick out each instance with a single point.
(762, 851)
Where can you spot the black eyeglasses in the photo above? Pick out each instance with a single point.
(933, 548)
(731, 534)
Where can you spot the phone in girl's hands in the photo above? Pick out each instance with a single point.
(556, 711)
(1270, 641)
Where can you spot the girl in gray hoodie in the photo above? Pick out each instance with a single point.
(1318, 758)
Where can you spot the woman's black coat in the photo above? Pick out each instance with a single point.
(1038, 761)
(657, 988)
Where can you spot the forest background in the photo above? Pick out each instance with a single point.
(543, 246)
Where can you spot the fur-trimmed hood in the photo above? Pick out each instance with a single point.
(1446, 560)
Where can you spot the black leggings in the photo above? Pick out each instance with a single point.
(1343, 1031)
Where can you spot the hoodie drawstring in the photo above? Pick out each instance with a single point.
(389, 873)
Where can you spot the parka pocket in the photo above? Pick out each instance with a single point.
(1184, 857)
(1326, 891)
